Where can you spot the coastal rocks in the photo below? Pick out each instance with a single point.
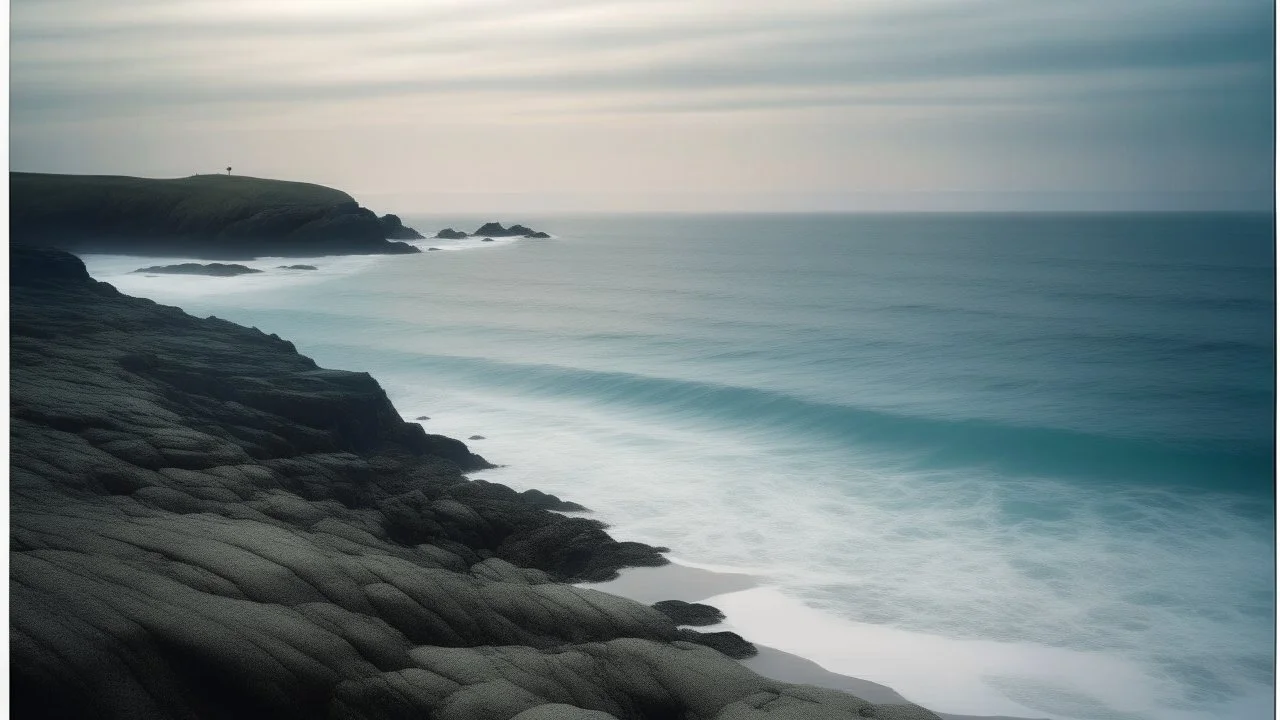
(730, 644)
(546, 501)
(422, 417)
(204, 523)
(538, 235)
(394, 229)
(487, 240)
(211, 269)
(684, 613)
(451, 234)
(203, 216)
(494, 229)
(295, 267)
(432, 248)
(476, 437)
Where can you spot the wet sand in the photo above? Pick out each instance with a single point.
(681, 582)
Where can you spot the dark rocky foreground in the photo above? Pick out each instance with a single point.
(205, 524)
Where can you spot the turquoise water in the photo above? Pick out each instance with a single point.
(1040, 432)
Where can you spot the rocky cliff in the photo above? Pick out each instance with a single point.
(203, 216)
(205, 524)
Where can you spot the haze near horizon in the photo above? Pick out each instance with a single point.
(567, 105)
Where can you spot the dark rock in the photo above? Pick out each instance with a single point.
(545, 501)
(476, 437)
(493, 229)
(213, 269)
(538, 235)
(202, 216)
(487, 240)
(296, 267)
(422, 417)
(684, 613)
(728, 643)
(433, 248)
(204, 523)
(395, 230)
(450, 234)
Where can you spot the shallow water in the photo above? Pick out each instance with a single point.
(1033, 452)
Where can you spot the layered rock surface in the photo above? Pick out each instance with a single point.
(205, 524)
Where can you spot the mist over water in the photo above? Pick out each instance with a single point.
(1032, 453)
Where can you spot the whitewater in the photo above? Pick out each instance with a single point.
(1016, 465)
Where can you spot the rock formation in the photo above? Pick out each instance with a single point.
(495, 229)
(451, 234)
(393, 229)
(204, 216)
(205, 524)
(214, 269)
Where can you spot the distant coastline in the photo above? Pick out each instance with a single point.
(213, 217)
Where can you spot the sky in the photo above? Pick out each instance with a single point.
(661, 105)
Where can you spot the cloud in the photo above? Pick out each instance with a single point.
(1098, 74)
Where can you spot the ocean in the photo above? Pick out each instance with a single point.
(1004, 464)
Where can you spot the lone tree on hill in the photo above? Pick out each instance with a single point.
(228, 169)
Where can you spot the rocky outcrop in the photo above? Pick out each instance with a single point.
(205, 523)
(204, 216)
(685, 613)
(396, 230)
(538, 235)
(295, 267)
(495, 229)
(213, 269)
(451, 234)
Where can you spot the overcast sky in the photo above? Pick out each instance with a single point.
(492, 105)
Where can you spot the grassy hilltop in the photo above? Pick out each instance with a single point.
(200, 216)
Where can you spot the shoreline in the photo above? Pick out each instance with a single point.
(206, 523)
(677, 581)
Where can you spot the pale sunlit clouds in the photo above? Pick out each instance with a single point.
(702, 104)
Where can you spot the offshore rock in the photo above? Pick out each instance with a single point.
(212, 269)
(495, 229)
(451, 234)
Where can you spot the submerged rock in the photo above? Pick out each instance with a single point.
(296, 267)
(487, 240)
(212, 269)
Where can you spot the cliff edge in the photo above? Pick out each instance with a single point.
(203, 216)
